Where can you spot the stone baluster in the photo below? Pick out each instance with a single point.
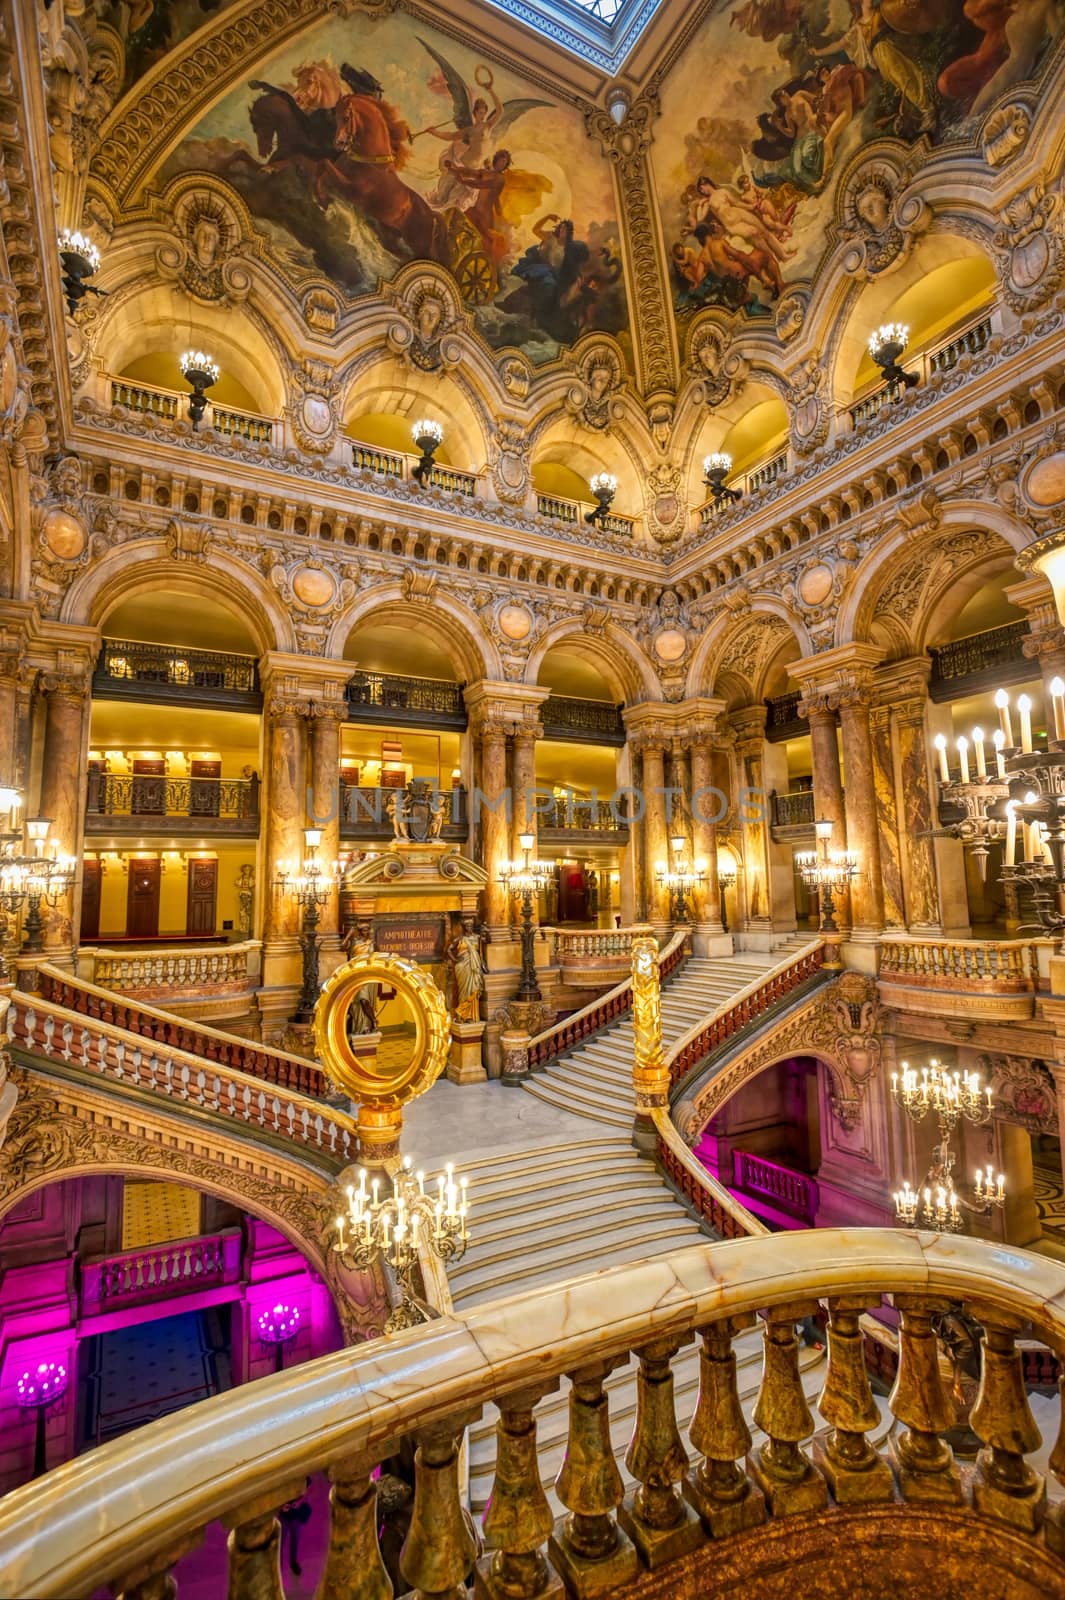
(654, 1515)
(1005, 1486)
(153, 1578)
(588, 1548)
(719, 1489)
(518, 1520)
(353, 1564)
(1054, 1527)
(255, 1546)
(855, 1472)
(780, 1467)
(925, 1462)
(440, 1547)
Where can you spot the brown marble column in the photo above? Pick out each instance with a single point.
(919, 815)
(860, 809)
(819, 710)
(704, 835)
(524, 817)
(887, 807)
(62, 800)
(9, 719)
(324, 811)
(655, 830)
(284, 799)
(491, 731)
(753, 811)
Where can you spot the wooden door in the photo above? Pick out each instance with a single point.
(90, 900)
(149, 788)
(204, 789)
(142, 900)
(203, 895)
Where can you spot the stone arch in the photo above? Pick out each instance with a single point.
(744, 650)
(620, 660)
(379, 385)
(131, 570)
(458, 631)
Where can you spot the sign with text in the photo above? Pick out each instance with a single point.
(419, 936)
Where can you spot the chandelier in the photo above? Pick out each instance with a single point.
(972, 806)
(428, 436)
(604, 487)
(395, 1226)
(679, 879)
(525, 879)
(30, 875)
(950, 1095)
(826, 871)
(310, 884)
(202, 372)
(1035, 811)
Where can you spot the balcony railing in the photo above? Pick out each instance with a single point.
(155, 1272)
(794, 809)
(176, 973)
(558, 509)
(582, 721)
(364, 811)
(1004, 965)
(130, 669)
(783, 720)
(583, 816)
(980, 661)
(761, 1181)
(227, 804)
(942, 357)
(398, 464)
(387, 696)
(747, 483)
(167, 404)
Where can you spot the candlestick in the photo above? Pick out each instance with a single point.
(941, 746)
(1057, 697)
(1002, 705)
(1000, 760)
(1010, 852)
(963, 758)
(978, 747)
(1024, 706)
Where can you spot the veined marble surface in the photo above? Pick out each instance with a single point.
(454, 1121)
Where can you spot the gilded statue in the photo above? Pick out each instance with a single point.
(465, 959)
(363, 1015)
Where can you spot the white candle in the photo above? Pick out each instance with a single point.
(963, 758)
(978, 746)
(941, 746)
(1010, 854)
(1024, 706)
(1000, 760)
(1002, 703)
(1057, 696)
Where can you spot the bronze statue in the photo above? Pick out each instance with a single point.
(465, 959)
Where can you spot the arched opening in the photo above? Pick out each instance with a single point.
(384, 404)
(764, 1144)
(751, 428)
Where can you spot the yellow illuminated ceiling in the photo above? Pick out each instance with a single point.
(124, 725)
(402, 650)
(166, 618)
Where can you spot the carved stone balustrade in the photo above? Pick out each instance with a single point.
(158, 1271)
(176, 974)
(134, 1506)
(981, 979)
(592, 957)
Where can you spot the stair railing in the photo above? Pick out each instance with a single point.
(123, 1514)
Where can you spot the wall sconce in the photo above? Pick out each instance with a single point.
(886, 346)
(716, 468)
(202, 372)
(428, 436)
(80, 260)
(604, 486)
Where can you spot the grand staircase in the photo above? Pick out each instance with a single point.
(563, 1208)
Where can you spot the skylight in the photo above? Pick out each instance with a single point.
(601, 31)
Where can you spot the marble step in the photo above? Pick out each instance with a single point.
(564, 1100)
(574, 1260)
(563, 1200)
(539, 1170)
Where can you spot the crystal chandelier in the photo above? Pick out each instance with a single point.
(31, 874)
(827, 872)
(395, 1226)
(679, 879)
(950, 1095)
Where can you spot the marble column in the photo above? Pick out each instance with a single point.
(494, 824)
(827, 779)
(284, 799)
(655, 832)
(860, 809)
(705, 807)
(887, 804)
(523, 782)
(9, 719)
(62, 799)
(324, 811)
(753, 803)
(919, 816)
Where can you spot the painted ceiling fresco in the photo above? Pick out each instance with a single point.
(149, 29)
(369, 143)
(774, 97)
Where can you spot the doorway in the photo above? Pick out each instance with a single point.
(142, 898)
(201, 905)
(90, 899)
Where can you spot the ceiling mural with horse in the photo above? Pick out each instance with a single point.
(775, 97)
(369, 143)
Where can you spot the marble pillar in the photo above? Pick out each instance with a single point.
(887, 806)
(62, 800)
(710, 936)
(919, 800)
(860, 809)
(324, 813)
(827, 781)
(9, 720)
(494, 824)
(523, 784)
(655, 834)
(753, 802)
(284, 798)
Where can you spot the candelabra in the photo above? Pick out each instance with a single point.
(716, 469)
(80, 261)
(202, 372)
(726, 878)
(37, 1389)
(604, 486)
(1035, 809)
(972, 806)
(311, 887)
(680, 880)
(827, 872)
(526, 878)
(950, 1096)
(428, 436)
(395, 1226)
(29, 874)
(886, 345)
(279, 1326)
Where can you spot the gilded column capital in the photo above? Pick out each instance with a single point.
(748, 725)
(817, 703)
(65, 684)
(281, 704)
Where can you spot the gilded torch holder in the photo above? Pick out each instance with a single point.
(353, 1564)
(518, 1519)
(856, 1473)
(654, 1515)
(1005, 1486)
(588, 1549)
(924, 1461)
(780, 1468)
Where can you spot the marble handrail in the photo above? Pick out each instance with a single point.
(1009, 964)
(173, 967)
(595, 944)
(53, 1031)
(269, 1064)
(133, 1505)
(590, 1018)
